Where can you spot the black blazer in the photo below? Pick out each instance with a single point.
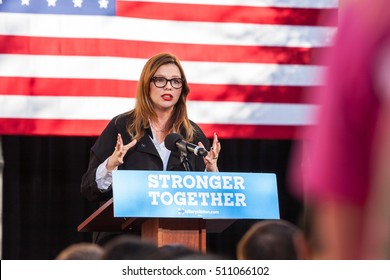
(143, 156)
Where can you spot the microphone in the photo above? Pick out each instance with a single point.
(175, 142)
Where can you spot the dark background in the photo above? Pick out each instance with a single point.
(42, 205)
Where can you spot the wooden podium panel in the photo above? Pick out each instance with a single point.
(190, 232)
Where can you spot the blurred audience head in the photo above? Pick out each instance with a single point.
(81, 251)
(128, 247)
(174, 251)
(272, 240)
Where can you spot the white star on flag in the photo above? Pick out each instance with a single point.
(51, 3)
(77, 3)
(103, 4)
(25, 2)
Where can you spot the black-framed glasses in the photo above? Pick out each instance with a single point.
(161, 82)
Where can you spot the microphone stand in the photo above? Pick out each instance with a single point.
(184, 161)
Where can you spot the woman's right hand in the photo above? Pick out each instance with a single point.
(119, 153)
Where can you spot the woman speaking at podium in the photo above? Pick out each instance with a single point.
(134, 140)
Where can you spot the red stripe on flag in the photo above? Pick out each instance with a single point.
(250, 131)
(95, 127)
(185, 52)
(66, 87)
(220, 13)
(240, 93)
(116, 88)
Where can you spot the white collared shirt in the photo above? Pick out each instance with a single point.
(103, 176)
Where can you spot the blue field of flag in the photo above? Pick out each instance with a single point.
(68, 7)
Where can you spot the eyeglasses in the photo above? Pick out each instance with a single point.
(161, 82)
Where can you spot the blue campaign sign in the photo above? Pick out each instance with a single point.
(211, 195)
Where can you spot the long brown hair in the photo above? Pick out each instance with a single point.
(144, 112)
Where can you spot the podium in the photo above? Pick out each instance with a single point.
(181, 207)
(190, 232)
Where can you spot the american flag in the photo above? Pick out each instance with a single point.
(69, 66)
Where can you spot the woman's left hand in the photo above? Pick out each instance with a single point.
(212, 157)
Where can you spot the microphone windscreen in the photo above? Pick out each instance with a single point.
(170, 141)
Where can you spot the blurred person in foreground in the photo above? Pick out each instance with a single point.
(343, 172)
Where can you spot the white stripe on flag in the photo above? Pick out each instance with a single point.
(250, 113)
(104, 108)
(45, 66)
(209, 33)
(61, 107)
